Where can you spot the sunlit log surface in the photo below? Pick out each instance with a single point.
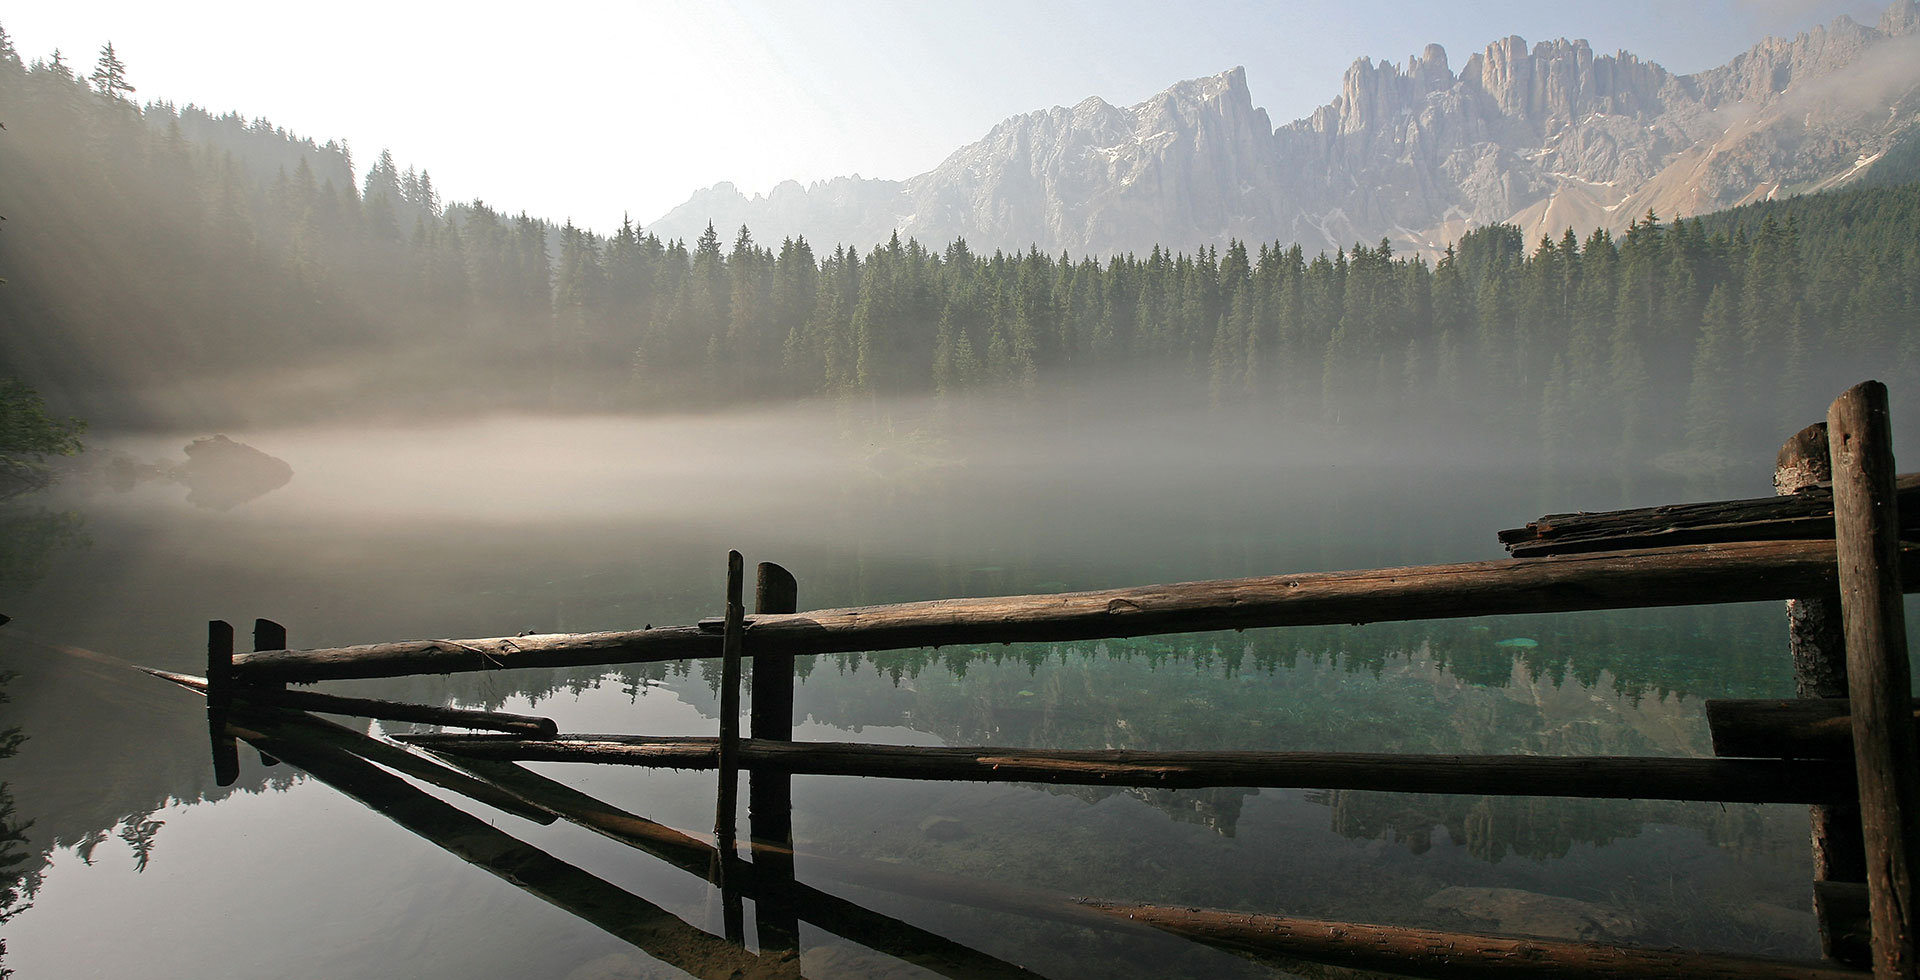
(1599, 777)
(1807, 513)
(1681, 575)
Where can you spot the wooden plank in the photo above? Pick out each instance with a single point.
(1681, 575)
(1453, 955)
(1598, 777)
(1806, 512)
(1866, 534)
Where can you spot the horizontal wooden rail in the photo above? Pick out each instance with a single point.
(1806, 514)
(1596, 777)
(1679, 575)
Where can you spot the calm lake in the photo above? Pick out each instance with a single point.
(138, 865)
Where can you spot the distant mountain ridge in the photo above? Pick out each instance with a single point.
(1545, 137)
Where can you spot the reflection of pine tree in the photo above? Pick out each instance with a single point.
(139, 831)
(18, 881)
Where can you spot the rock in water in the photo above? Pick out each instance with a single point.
(1512, 910)
(221, 474)
(943, 828)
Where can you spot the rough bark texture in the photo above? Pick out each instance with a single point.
(1806, 512)
(1879, 688)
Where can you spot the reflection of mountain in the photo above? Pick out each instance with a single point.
(1395, 694)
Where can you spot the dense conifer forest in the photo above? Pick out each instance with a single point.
(168, 265)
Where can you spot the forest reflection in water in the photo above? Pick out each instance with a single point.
(116, 766)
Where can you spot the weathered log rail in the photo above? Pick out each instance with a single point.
(1829, 543)
(1670, 576)
(1805, 514)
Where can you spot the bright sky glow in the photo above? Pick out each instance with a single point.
(592, 110)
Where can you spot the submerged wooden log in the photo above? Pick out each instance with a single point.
(1786, 728)
(1804, 514)
(1879, 687)
(1448, 955)
(333, 704)
(1599, 777)
(658, 932)
(392, 756)
(1684, 575)
(768, 879)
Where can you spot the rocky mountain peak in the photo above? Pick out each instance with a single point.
(1546, 135)
(1903, 17)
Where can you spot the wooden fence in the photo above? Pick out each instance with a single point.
(1829, 542)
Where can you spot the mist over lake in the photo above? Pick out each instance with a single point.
(510, 524)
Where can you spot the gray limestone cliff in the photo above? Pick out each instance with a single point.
(1547, 136)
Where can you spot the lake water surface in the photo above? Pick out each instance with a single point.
(139, 865)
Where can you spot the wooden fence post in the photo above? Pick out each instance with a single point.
(770, 798)
(1866, 539)
(1818, 650)
(728, 796)
(226, 755)
(726, 800)
(769, 791)
(269, 635)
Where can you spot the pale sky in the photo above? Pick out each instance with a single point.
(592, 110)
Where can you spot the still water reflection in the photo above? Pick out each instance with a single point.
(134, 861)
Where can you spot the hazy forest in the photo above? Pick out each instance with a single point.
(168, 266)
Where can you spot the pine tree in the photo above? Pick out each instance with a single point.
(1709, 392)
(110, 75)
